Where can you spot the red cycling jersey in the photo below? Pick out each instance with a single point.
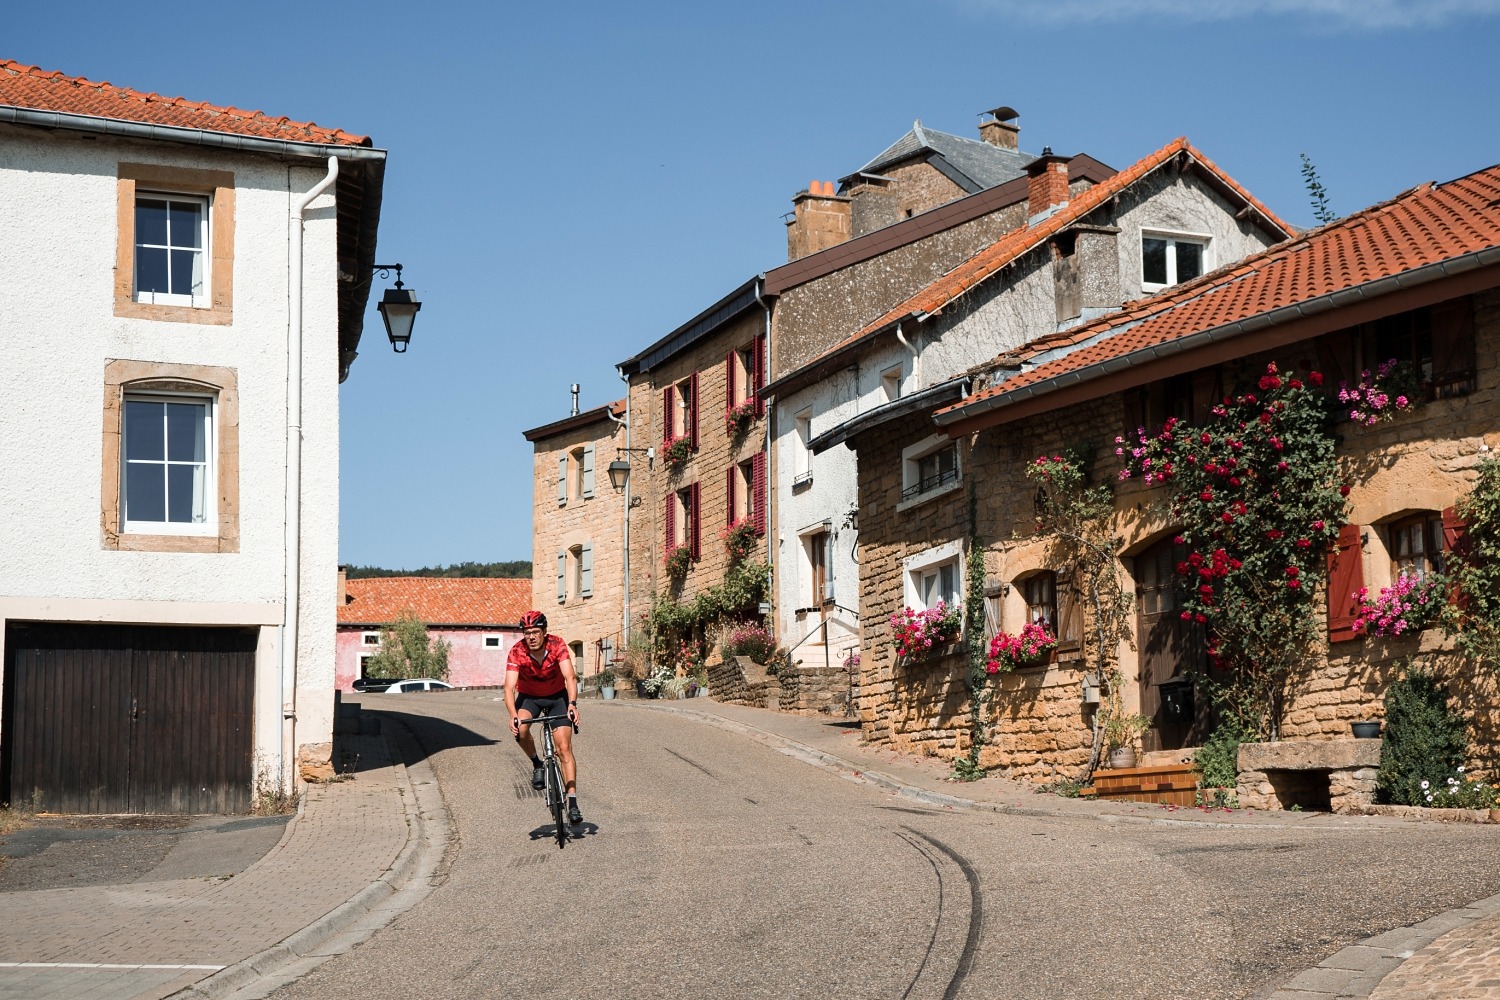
(544, 679)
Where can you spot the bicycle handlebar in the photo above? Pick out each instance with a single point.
(550, 721)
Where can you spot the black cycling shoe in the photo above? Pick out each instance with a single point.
(538, 778)
(574, 816)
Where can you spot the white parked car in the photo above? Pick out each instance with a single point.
(421, 684)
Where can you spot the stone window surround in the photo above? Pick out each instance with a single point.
(122, 376)
(218, 186)
(1206, 240)
(912, 454)
(928, 559)
(1375, 551)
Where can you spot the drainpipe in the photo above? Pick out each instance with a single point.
(293, 585)
(916, 358)
(770, 468)
(625, 550)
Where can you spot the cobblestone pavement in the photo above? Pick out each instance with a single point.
(154, 937)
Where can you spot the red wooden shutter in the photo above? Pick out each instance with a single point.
(760, 375)
(695, 534)
(669, 518)
(1346, 574)
(693, 411)
(730, 475)
(666, 414)
(1455, 540)
(758, 489)
(729, 380)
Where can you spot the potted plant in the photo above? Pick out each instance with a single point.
(676, 454)
(606, 680)
(737, 418)
(677, 561)
(919, 634)
(1030, 648)
(1121, 732)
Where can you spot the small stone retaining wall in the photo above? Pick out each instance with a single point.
(741, 681)
(1336, 775)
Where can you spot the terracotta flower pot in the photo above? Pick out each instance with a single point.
(1122, 757)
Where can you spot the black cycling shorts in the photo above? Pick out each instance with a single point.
(539, 705)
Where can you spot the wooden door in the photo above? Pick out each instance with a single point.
(1169, 647)
(130, 719)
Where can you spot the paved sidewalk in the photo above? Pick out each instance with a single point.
(1452, 956)
(357, 853)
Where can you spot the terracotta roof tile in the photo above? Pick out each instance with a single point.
(436, 600)
(41, 90)
(1017, 242)
(1426, 225)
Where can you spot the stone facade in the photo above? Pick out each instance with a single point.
(578, 543)
(1420, 461)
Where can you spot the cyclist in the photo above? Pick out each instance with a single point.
(539, 680)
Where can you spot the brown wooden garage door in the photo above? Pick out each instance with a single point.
(127, 718)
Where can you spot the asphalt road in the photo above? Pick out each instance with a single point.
(712, 866)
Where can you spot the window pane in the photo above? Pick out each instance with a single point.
(185, 222)
(150, 222)
(185, 432)
(150, 270)
(187, 272)
(1154, 260)
(185, 494)
(949, 575)
(1189, 260)
(143, 431)
(145, 493)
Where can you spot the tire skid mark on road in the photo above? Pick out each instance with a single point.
(937, 923)
(691, 763)
(976, 911)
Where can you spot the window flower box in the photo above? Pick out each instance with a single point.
(918, 635)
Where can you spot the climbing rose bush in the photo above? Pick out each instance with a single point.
(1010, 651)
(1408, 605)
(917, 633)
(1391, 390)
(1256, 489)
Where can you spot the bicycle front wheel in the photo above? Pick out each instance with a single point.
(559, 793)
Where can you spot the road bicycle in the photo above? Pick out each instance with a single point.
(556, 790)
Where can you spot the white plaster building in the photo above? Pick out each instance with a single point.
(1083, 252)
(150, 584)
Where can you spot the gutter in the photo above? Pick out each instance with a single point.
(1262, 321)
(189, 136)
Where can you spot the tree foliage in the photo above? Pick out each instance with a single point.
(516, 569)
(407, 651)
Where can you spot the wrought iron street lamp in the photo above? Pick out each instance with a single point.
(398, 307)
(619, 469)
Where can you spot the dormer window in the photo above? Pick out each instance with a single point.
(1169, 259)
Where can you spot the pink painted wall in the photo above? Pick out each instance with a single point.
(470, 663)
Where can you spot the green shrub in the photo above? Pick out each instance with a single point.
(1424, 743)
(1218, 757)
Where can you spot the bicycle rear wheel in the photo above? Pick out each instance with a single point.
(558, 794)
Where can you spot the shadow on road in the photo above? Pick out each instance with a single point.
(432, 735)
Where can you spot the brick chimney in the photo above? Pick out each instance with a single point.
(1047, 187)
(820, 220)
(1000, 129)
(343, 585)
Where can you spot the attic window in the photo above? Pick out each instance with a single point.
(1169, 259)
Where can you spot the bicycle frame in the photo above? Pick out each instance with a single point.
(556, 790)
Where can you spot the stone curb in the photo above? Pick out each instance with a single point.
(400, 887)
(1356, 971)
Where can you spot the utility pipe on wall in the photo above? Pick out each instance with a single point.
(292, 594)
(625, 544)
(916, 360)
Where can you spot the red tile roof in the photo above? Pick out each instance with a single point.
(1424, 226)
(1011, 246)
(436, 600)
(29, 87)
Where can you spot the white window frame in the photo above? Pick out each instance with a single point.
(204, 250)
(890, 383)
(801, 450)
(364, 659)
(1204, 240)
(369, 639)
(911, 461)
(486, 643)
(209, 525)
(916, 568)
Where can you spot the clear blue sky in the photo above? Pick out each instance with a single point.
(569, 182)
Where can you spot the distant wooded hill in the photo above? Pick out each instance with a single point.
(518, 569)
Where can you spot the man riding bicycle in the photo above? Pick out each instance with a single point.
(539, 680)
